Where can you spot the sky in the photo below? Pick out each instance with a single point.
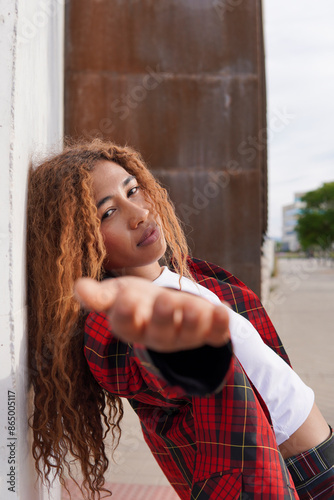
(299, 55)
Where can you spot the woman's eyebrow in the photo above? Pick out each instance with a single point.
(110, 196)
(127, 180)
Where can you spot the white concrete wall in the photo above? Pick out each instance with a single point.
(31, 119)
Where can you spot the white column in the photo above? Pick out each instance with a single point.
(31, 121)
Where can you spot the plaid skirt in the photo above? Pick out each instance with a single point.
(313, 471)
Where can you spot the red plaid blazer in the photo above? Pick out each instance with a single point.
(209, 446)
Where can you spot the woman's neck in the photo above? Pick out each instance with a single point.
(149, 272)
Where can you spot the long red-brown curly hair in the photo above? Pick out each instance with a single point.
(72, 413)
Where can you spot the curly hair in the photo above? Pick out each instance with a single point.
(72, 414)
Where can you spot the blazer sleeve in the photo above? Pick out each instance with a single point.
(127, 370)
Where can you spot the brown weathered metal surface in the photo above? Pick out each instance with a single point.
(183, 82)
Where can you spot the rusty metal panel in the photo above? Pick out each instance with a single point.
(181, 36)
(197, 120)
(183, 82)
(219, 208)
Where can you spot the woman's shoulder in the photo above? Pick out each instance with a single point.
(207, 274)
(241, 299)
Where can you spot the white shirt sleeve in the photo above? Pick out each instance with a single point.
(288, 399)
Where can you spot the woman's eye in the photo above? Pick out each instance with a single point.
(108, 213)
(133, 190)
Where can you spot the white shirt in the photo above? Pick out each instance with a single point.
(288, 399)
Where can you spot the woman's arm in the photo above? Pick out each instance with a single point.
(161, 319)
(311, 433)
(181, 339)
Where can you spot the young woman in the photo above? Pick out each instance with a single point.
(218, 422)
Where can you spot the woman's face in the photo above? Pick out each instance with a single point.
(132, 234)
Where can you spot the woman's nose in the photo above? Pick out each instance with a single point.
(137, 215)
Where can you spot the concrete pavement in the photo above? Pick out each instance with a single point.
(301, 306)
(300, 301)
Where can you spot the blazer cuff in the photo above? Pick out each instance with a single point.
(199, 372)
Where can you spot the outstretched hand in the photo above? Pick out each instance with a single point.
(162, 319)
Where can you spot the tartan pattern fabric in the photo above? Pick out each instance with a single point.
(242, 300)
(313, 471)
(219, 446)
(229, 485)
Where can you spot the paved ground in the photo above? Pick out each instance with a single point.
(301, 305)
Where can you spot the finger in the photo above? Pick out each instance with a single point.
(94, 295)
(161, 330)
(196, 316)
(181, 321)
(129, 315)
(219, 332)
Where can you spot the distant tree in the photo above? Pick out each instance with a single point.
(315, 226)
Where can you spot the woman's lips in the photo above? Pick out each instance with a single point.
(150, 235)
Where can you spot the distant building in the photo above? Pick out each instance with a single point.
(291, 213)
